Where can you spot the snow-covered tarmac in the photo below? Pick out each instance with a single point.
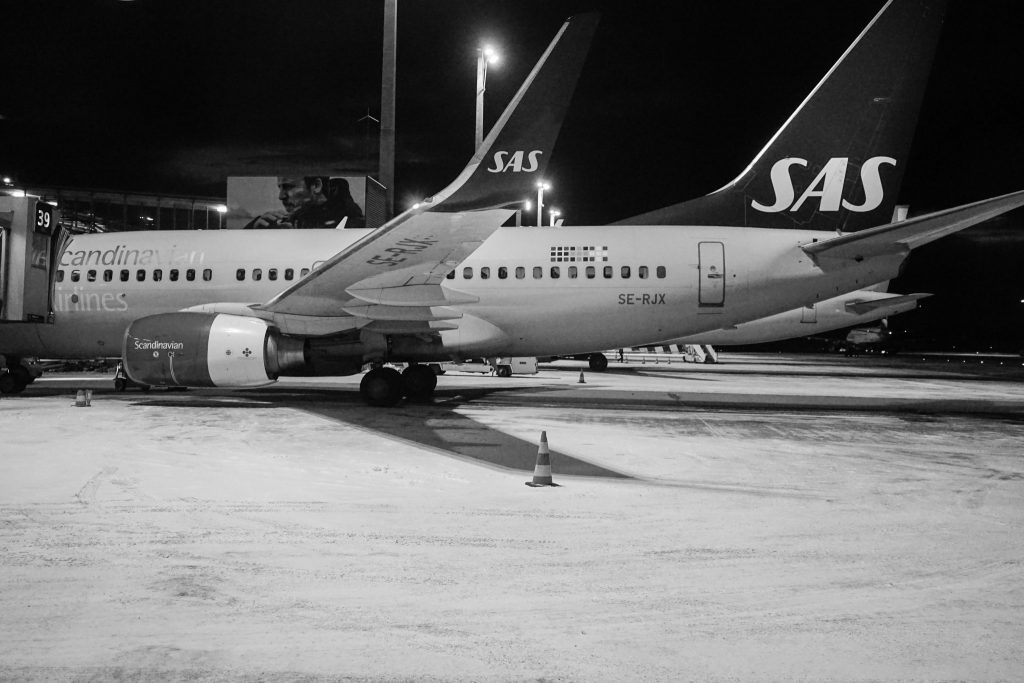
(767, 519)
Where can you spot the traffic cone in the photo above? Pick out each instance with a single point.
(542, 471)
(581, 380)
(83, 398)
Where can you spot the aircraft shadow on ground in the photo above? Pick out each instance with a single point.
(436, 425)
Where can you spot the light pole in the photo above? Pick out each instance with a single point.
(554, 213)
(485, 55)
(541, 186)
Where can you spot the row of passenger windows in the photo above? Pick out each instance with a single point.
(175, 274)
(189, 274)
(555, 272)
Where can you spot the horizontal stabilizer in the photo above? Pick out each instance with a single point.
(912, 233)
(896, 300)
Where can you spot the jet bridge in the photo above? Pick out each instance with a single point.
(29, 240)
(27, 229)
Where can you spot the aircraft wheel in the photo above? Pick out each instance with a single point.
(420, 382)
(504, 371)
(9, 384)
(22, 376)
(381, 387)
(598, 362)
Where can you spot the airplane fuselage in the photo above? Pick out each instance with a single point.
(540, 291)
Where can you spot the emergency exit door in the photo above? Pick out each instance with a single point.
(711, 266)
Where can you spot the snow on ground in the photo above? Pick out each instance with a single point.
(211, 537)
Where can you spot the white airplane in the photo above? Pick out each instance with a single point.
(808, 220)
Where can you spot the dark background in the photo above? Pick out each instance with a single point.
(675, 99)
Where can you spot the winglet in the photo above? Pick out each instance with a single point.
(515, 154)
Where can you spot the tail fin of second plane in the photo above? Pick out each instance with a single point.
(515, 154)
(838, 162)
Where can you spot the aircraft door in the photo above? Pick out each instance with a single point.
(5, 222)
(809, 314)
(711, 269)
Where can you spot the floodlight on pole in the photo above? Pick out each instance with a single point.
(485, 55)
(541, 186)
(554, 213)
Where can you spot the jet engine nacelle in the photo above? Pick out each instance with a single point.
(207, 350)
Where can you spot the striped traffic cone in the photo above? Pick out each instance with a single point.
(581, 380)
(542, 471)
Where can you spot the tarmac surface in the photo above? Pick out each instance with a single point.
(772, 517)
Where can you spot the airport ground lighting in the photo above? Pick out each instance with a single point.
(485, 55)
(554, 214)
(541, 187)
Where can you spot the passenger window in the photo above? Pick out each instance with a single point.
(485, 273)
(75, 276)
(158, 275)
(140, 275)
(108, 275)
(289, 273)
(91, 276)
(240, 274)
(304, 272)
(642, 272)
(60, 276)
(502, 272)
(608, 271)
(467, 273)
(520, 272)
(126, 275)
(590, 272)
(661, 271)
(272, 274)
(172, 275)
(257, 274)
(625, 272)
(555, 272)
(207, 275)
(538, 272)
(190, 274)
(573, 272)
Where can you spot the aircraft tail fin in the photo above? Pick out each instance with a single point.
(515, 154)
(838, 161)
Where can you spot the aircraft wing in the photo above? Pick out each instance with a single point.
(405, 260)
(894, 301)
(902, 236)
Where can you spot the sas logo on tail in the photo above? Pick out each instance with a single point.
(515, 162)
(827, 186)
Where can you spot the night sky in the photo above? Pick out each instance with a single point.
(675, 99)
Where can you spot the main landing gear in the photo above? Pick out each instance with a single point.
(15, 377)
(385, 386)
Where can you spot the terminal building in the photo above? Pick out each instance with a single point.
(95, 210)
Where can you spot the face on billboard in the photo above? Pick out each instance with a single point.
(295, 201)
(294, 193)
